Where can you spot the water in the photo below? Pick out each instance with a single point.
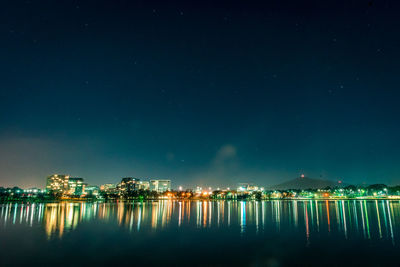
(202, 233)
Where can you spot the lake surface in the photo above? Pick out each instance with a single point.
(202, 233)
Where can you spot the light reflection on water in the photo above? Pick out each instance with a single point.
(378, 219)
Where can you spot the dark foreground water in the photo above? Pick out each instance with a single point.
(192, 233)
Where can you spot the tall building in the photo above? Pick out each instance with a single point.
(129, 184)
(57, 184)
(160, 185)
(75, 186)
(144, 185)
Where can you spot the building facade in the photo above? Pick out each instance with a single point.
(91, 190)
(144, 185)
(65, 185)
(248, 188)
(76, 186)
(129, 185)
(160, 185)
(109, 188)
(57, 184)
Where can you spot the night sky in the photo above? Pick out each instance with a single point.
(209, 93)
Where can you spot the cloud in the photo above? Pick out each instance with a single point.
(225, 153)
(221, 170)
(170, 156)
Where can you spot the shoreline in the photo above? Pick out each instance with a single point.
(75, 200)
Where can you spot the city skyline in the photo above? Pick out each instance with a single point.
(148, 183)
(61, 187)
(228, 183)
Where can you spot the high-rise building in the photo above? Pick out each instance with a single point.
(75, 186)
(160, 185)
(57, 184)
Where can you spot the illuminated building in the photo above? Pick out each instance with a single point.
(198, 190)
(33, 190)
(57, 184)
(64, 185)
(144, 185)
(247, 188)
(108, 188)
(242, 187)
(75, 186)
(129, 184)
(91, 190)
(160, 185)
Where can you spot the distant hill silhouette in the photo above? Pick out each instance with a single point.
(306, 183)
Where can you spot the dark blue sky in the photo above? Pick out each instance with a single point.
(200, 93)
